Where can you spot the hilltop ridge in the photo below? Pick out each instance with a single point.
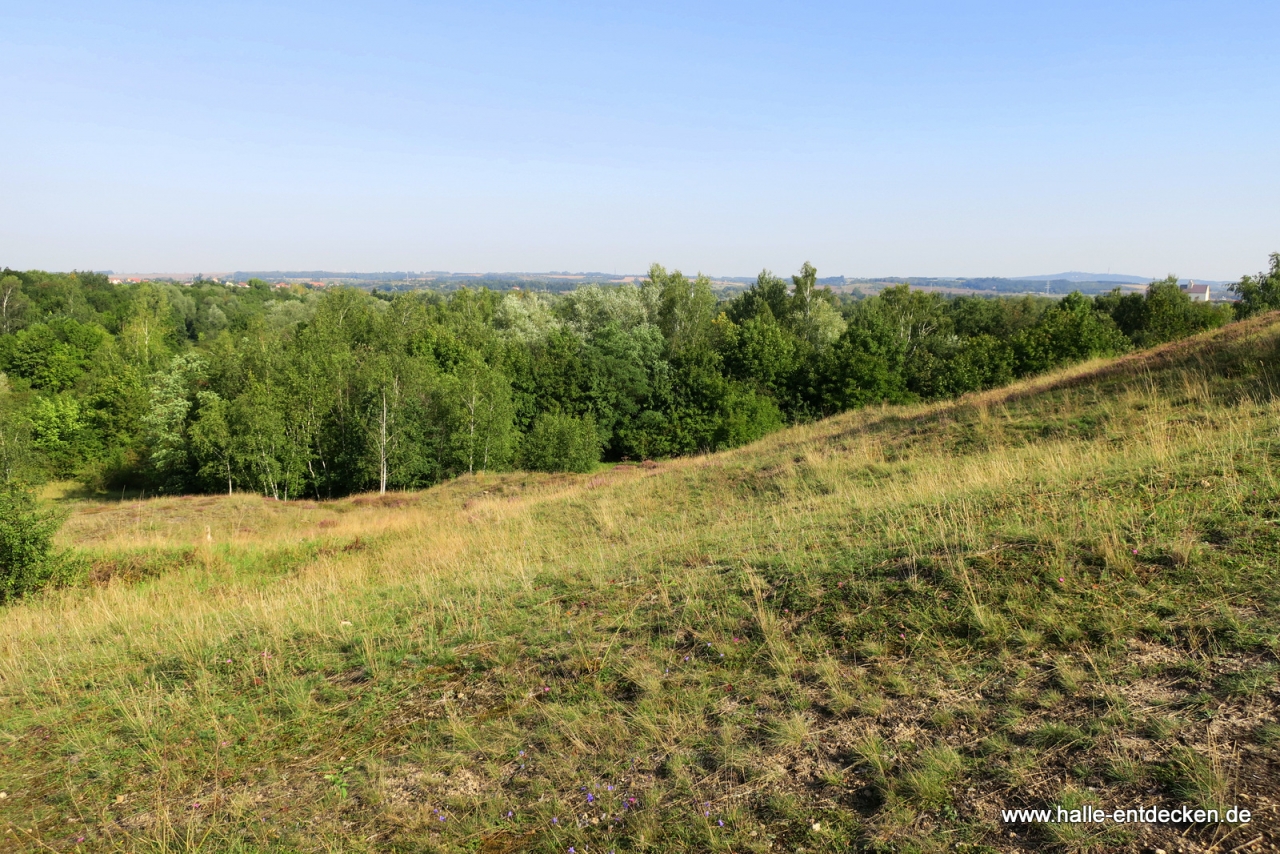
(1076, 276)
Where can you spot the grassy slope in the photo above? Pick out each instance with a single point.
(875, 630)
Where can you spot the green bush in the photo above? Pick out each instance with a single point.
(27, 558)
(1261, 292)
(1070, 331)
(562, 443)
(1163, 313)
(746, 417)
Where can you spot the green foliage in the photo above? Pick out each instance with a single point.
(561, 443)
(1163, 313)
(1070, 331)
(949, 366)
(761, 352)
(214, 449)
(479, 413)
(58, 430)
(290, 393)
(166, 425)
(840, 641)
(686, 308)
(19, 461)
(1000, 318)
(747, 415)
(51, 356)
(13, 304)
(865, 365)
(767, 296)
(1261, 292)
(148, 332)
(27, 558)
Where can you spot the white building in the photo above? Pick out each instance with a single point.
(1198, 293)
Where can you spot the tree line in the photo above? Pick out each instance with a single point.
(291, 393)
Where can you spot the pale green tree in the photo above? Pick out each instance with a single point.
(275, 465)
(57, 426)
(803, 296)
(165, 424)
(12, 304)
(526, 316)
(145, 332)
(213, 445)
(1261, 292)
(482, 416)
(686, 309)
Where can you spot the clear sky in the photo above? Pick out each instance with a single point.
(881, 138)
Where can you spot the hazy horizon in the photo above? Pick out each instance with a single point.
(1071, 275)
(979, 139)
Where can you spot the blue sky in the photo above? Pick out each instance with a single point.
(907, 138)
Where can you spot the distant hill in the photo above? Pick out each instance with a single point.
(1109, 278)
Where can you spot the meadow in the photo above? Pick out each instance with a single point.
(872, 632)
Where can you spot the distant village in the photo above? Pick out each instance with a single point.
(228, 282)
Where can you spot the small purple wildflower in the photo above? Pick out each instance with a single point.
(555, 820)
(722, 822)
(590, 798)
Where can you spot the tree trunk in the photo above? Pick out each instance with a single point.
(382, 446)
(5, 309)
(471, 442)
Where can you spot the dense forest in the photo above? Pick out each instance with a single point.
(291, 392)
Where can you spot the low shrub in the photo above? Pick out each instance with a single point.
(562, 443)
(28, 561)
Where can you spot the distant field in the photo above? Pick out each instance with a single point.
(871, 633)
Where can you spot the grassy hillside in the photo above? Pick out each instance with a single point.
(875, 631)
